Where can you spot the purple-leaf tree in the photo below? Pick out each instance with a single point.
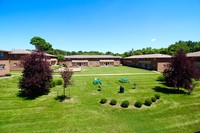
(66, 75)
(36, 75)
(181, 71)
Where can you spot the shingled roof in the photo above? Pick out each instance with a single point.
(149, 56)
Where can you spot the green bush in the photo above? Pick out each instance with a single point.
(153, 99)
(52, 84)
(161, 78)
(8, 74)
(148, 102)
(113, 102)
(61, 98)
(103, 100)
(157, 96)
(138, 104)
(125, 104)
(59, 81)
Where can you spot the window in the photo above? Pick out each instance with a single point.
(14, 56)
(1, 54)
(2, 66)
(15, 64)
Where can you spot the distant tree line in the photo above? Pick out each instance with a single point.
(187, 46)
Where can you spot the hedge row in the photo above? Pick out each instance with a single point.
(138, 104)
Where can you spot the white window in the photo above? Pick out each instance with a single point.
(2, 66)
(15, 64)
(1, 54)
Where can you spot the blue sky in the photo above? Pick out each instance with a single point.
(98, 25)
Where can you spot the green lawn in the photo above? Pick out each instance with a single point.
(83, 113)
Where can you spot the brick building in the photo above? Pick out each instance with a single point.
(149, 61)
(4, 62)
(195, 56)
(15, 56)
(92, 60)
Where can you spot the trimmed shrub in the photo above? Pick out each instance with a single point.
(138, 104)
(157, 96)
(103, 101)
(153, 99)
(148, 102)
(59, 81)
(8, 74)
(125, 104)
(113, 102)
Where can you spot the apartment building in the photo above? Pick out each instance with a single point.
(149, 61)
(92, 60)
(4, 62)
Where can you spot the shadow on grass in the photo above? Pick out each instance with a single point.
(28, 97)
(61, 98)
(168, 90)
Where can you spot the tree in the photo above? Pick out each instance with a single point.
(36, 75)
(66, 75)
(60, 57)
(180, 72)
(38, 41)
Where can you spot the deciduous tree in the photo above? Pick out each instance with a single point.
(66, 75)
(36, 75)
(180, 72)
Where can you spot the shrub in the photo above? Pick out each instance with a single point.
(125, 104)
(103, 100)
(153, 99)
(8, 74)
(52, 84)
(98, 89)
(148, 102)
(157, 96)
(113, 102)
(161, 78)
(138, 104)
(61, 98)
(58, 82)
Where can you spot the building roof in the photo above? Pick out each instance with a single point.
(193, 54)
(91, 56)
(4, 50)
(149, 56)
(21, 51)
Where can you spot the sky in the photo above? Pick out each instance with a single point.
(98, 25)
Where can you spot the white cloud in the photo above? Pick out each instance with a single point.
(153, 40)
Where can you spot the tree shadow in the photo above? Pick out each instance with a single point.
(28, 97)
(168, 90)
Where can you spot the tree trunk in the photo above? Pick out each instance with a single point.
(64, 91)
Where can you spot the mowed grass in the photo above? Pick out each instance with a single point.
(83, 113)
